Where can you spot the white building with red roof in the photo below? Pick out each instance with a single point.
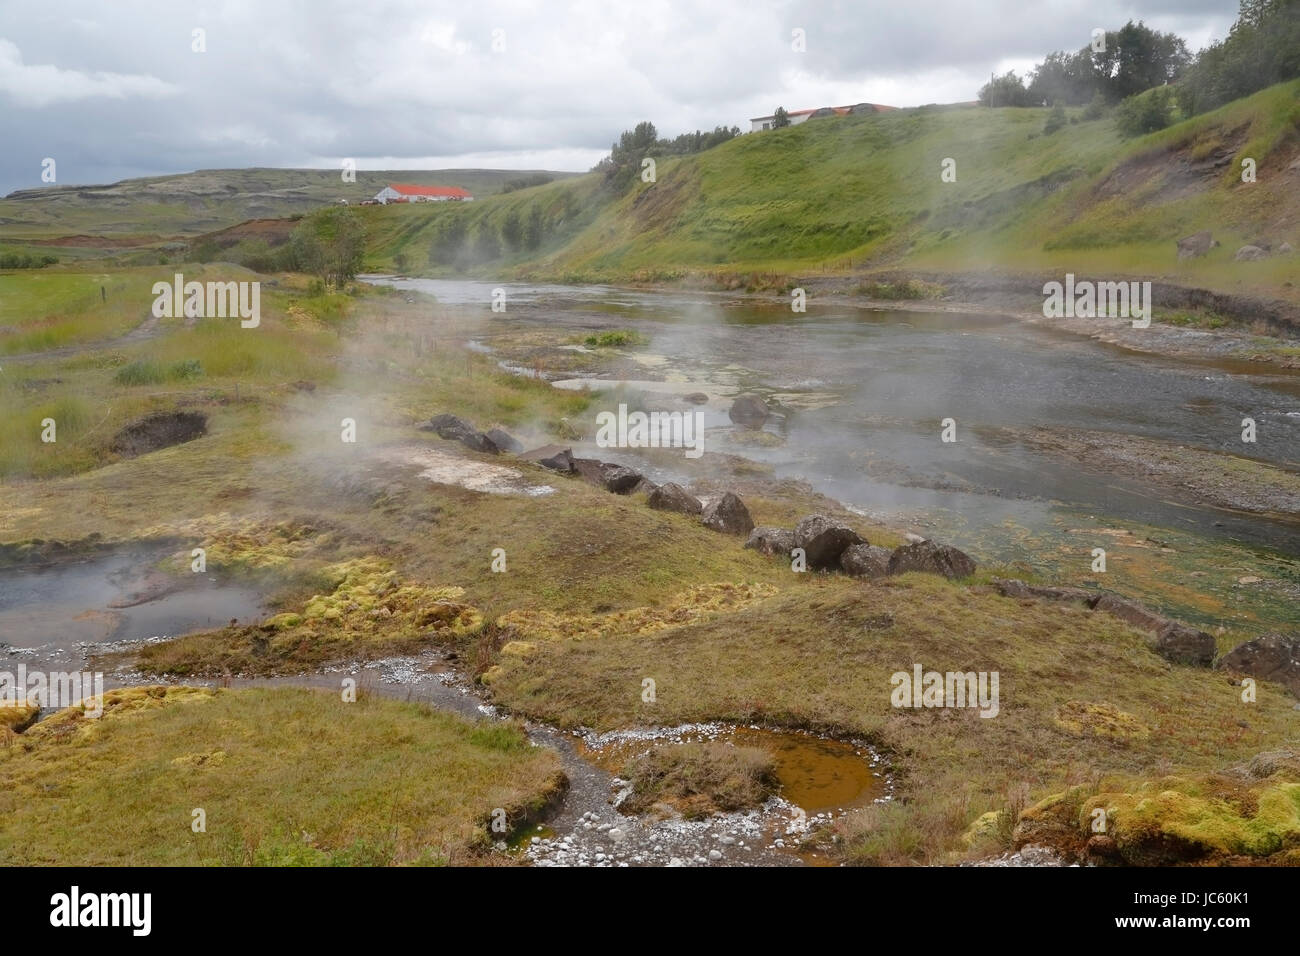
(759, 123)
(406, 192)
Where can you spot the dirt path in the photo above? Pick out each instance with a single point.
(150, 328)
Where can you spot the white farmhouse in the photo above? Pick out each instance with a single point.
(405, 192)
(802, 116)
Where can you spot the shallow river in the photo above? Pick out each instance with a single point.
(868, 391)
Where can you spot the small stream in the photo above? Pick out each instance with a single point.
(59, 617)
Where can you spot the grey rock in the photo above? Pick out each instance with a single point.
(671, 496)
(1130, 613)
(618, 478)
(1272, 657)
(504, 440)
(823, 540)
(561, 461)
(865, 560)
(1197, 244)
(1250, 254)
(932, 558)
(768, 540)
(1180, 644)
(451, 428)
(749, 410)
(729, 515)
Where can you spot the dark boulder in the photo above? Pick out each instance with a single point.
(932, 558)
(823, 540)
(451, 428)
(1014, 588)
(561, 461)
(729, 515)
(1272, 657)
(749, 410)
(618, 479)
(865, 561)
(1180, 644)
(767, 540)
(671, 496)
(1131, 613)
(588, 469)
(504, 441)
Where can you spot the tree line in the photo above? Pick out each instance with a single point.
(1263, 48)
(622, 167)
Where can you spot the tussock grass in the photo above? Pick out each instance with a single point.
(286, 777)
(699, 778)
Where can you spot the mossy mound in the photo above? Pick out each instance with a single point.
(684, 608)
(73, 722)
(1084, 719)
(363, 605)
(1206, 818)
(242, 544)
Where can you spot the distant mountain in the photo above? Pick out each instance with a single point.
(188, 204)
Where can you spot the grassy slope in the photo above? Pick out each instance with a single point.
(867, 191)
(192, 203)
(284, 776)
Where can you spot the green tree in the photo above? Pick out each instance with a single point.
(512, 231)
(486, 246)
(1004, 90)
(533, 228)
(330, 243)
(780, 119)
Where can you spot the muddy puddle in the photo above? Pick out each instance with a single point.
(816, 774)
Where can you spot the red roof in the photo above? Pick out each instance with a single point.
(451, 192)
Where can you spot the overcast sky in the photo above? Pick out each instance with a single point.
(112, 90)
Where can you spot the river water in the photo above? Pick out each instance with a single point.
(868, 390)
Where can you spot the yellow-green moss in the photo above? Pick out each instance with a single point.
(1084, 719)
(363, 604)
(685, 608)
(236, 543)
(1203, 817)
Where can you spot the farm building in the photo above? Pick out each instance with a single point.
(405, 192)
(799, 116)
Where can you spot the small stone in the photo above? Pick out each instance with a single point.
(715, 855)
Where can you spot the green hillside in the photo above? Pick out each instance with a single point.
(866, 191)
(192, 203)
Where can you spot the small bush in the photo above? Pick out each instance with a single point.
(140, 373)
(1145, 112)
(618, 338)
